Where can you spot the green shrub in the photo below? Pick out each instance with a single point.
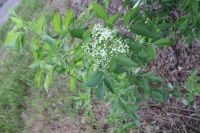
(98, 57)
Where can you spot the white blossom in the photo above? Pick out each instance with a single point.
(104, 45)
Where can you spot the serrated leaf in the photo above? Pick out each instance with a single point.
(130, 15)
(151, 52)
(145, 84)
(113, 18)
(96, 78)
(146, 88)
(157, 96)
(145, 30)
(151, 76)
(123, 105)
(100, 12)
(20, 41)
(77, 33)
(48, 79)
(57, 23)
(16, 20)
(69, 19)
(11, 39)
(49, 39)
(126, 2)
(41, 24)
(100, 90)
(78, 55)
(112, 65)
(128, 125)
(164, 42)
(38, 78)
(108, 83)
(86, 34)
(72, 84)
(125, 61)
(119, 68)
(137, 123)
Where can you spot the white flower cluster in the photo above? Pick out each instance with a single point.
(104, 45)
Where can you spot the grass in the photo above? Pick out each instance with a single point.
(15, 76)
(12, 90)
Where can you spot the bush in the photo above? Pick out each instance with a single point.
(99, 57)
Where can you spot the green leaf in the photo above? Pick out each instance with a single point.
(78, 55)
(157, 96)
(145, 84)
(145, 30)
(113, 18)
(123, 105)
(145, 87)
(72, 84)
(108, 83)
(151, 76)
(96, 78)
(128, 125)
(151, 52)
(16, 20)
(41, 24)
(69, 19)
(119, 68)
(115, 66)
(137, 123)
(11, 39)
(20, 41)
(57, 23)
(126, 2)
(38, 78)
(49, 39)
(77, 33)
(164, 42)
(192, 86)
(48, 79)
(130, 15)
(100, 12)
(112, 65)
(126, 61)
(86, 34)
(100, 90)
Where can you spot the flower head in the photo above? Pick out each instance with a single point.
(104, 44)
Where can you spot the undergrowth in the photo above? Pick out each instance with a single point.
(14, 75)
